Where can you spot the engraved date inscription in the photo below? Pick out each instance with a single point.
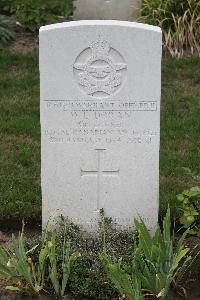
(100, 135)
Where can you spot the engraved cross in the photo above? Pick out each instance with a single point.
(99, 173)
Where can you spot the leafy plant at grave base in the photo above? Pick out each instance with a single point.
(89, 278)
(59, 276)
(155, 264)
(24, 274)
(128, 286)
(32, 14)
(189, 208)
(6, 33)
(19, 270)
(155, 261)
(180, 22)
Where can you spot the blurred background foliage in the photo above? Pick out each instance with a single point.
(179, 20)
(6, 32)
(33, 14)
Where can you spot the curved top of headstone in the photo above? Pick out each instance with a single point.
(100, 23)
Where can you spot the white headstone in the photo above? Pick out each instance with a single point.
(100, 121)
(127, 10)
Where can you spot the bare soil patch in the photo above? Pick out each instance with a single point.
(24, 42)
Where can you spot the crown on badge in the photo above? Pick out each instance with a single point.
(100, 48)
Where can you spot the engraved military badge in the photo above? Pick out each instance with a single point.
(100, 69)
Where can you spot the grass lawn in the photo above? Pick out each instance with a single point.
(20, 194)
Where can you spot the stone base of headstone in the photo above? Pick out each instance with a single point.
(127, 10)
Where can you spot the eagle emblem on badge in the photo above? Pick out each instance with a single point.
(100, 69)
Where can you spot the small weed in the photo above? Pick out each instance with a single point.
(189, 208)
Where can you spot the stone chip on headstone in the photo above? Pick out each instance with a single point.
(100, 121)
